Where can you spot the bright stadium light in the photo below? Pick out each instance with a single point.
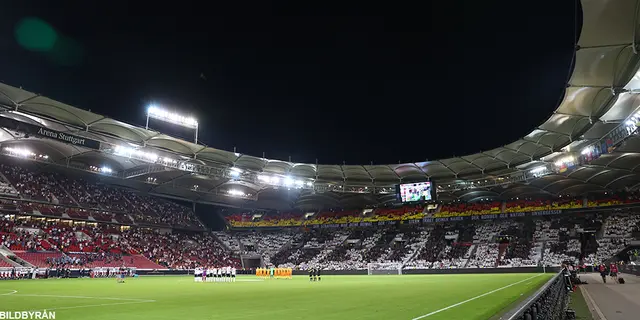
(288, 181)
(235, 172)
(235, 192)
(155, 112)
(22, 152)
(135, 153)
(564, 160)
(169, 160)
(538, 170)
(106, 170)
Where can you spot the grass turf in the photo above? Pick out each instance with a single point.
(579, 305)
(336, 297)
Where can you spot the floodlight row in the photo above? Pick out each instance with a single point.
(159, 113)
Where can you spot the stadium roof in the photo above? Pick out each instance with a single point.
(601, 95)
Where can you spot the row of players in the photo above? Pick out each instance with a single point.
(278, 273)
(104, 272)
(224, 274)
(38, 273)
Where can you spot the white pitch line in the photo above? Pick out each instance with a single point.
(474, 298)
(592, 302)
(10, 293)
(84, 297)
(126, 300)
(99, 305)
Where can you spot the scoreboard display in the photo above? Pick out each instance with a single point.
(419, 191)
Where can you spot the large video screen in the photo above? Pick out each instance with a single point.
(420, 191)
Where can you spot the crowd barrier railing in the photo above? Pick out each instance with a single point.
(547, 303)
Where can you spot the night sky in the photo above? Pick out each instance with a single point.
(343, 83)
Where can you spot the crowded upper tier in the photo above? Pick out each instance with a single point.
(419, 211)
(54, 194)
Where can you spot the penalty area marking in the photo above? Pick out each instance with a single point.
(10, 293)
(124, 300)
(99, 305)
(474, 298)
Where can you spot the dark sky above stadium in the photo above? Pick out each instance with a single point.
(344, 82)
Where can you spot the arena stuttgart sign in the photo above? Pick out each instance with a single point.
(68, 138)
(43, 132)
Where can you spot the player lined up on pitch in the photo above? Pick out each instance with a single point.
(224, 274)
(274, 273)
(315, 274)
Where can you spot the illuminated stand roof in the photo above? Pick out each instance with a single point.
(599, 105)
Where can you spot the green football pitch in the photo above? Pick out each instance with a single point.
(468, 297)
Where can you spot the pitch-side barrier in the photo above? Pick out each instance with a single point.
(547, 303)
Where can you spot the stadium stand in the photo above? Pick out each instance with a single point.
(53, 194)
(418, 212)
(51, 243)
(459, 246)
(80, 222)
(535, 241)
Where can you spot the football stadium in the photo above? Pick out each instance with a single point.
(102, 219)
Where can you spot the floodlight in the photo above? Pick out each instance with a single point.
(136, 153)
(288, 181)
(235, 192)
(537, 170)
(309, 183)
(164, 115)
(169, 160)
(274, 180)
(23, 152)
(106, 169)
(263, 178)
(158, 113)
(123, 151)
(299, 183)
(235, 172)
